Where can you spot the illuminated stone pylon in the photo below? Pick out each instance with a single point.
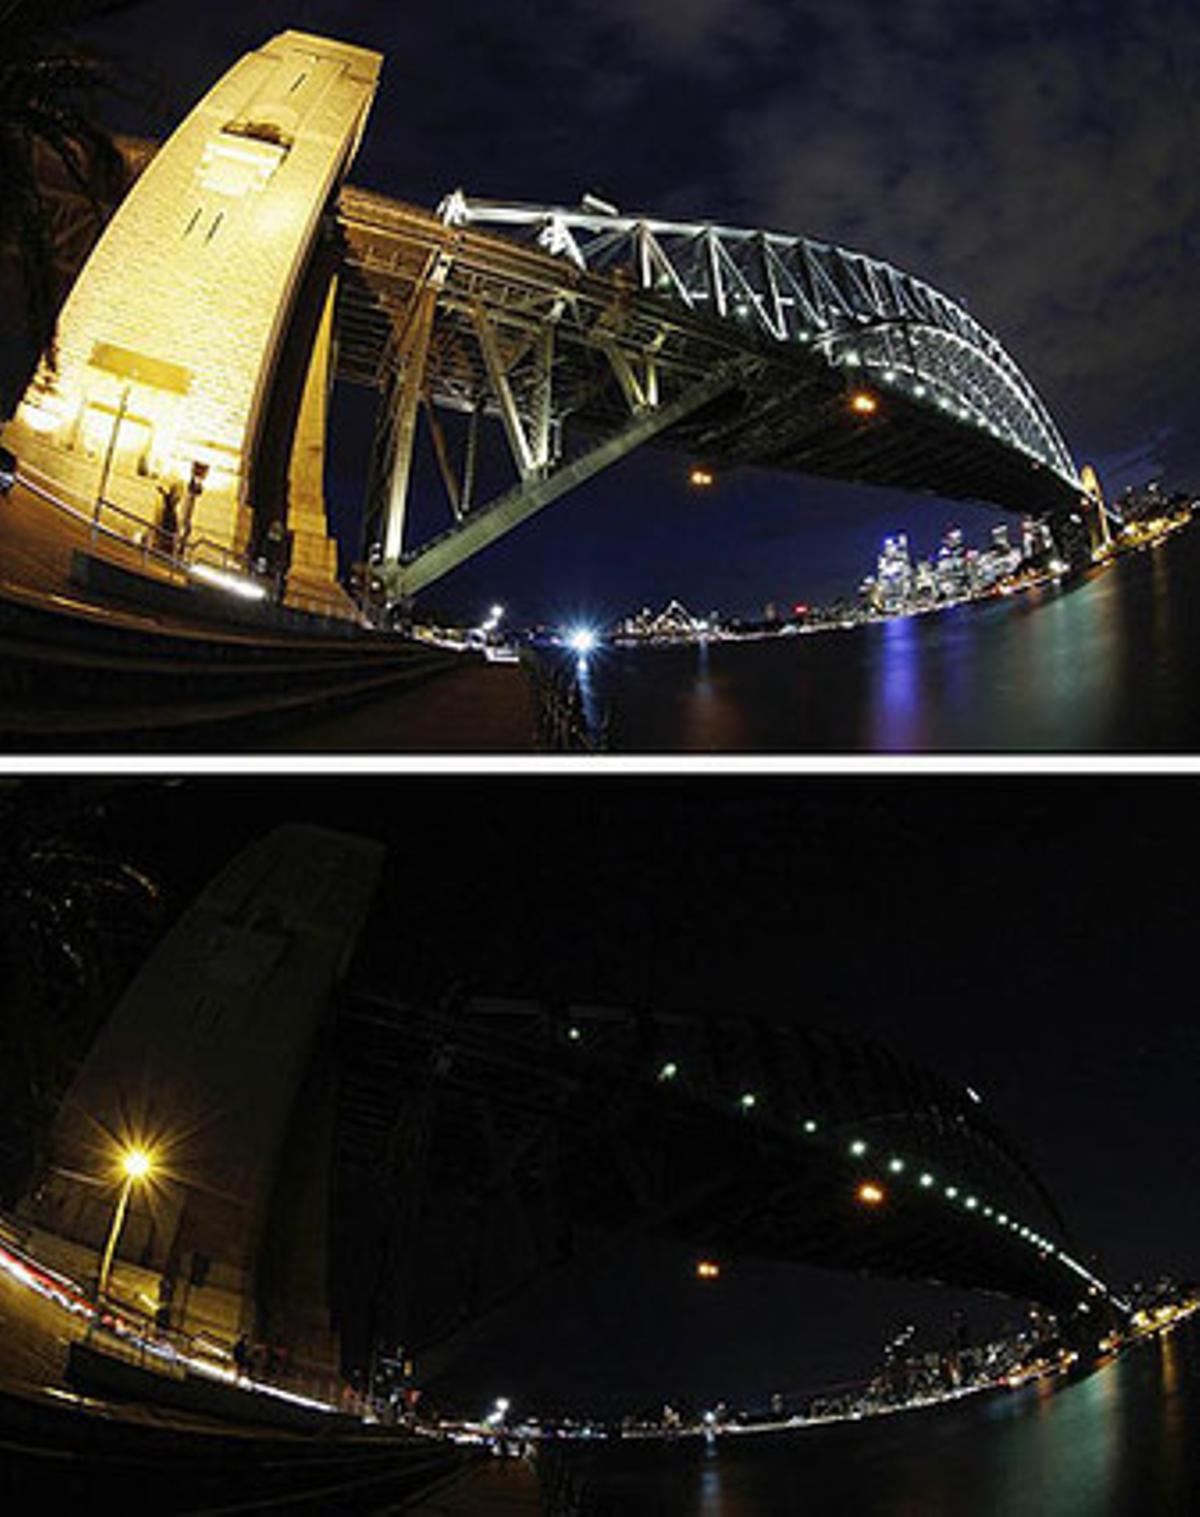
(177, 343)
(217, 1062)
(1090, 481)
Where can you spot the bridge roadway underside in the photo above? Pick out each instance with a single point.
(482, 1152)
(789, 410)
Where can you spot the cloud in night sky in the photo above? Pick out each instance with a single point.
(1034, 160)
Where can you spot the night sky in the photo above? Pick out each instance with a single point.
(1033, 158)
(1032, 937)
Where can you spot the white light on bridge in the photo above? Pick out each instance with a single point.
(926, 1179)
(858, 1148)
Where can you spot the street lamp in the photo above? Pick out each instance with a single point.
(135, 1165)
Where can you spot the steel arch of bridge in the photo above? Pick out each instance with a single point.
(732, 346)
(864, 313)
(493, 1139)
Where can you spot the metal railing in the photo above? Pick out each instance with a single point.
(563, 724)
(187, 553)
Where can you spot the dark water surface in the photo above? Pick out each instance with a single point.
(1120, 1442)
(1110, 663)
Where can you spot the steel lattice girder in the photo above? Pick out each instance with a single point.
(539, 1128)
(863, 312)
(593, 321)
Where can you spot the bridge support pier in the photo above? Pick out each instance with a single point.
(178, 346)
(212, 1063)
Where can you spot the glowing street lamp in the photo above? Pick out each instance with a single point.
(136, 1165)
(701, 478)
(870, 1194)
(863, 403)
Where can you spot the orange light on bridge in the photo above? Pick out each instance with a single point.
(863, 403)
(870, 1194)
(701, 478)
(708, 1269)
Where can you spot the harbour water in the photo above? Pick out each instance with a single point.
(1118, 1442)
(1107, 664)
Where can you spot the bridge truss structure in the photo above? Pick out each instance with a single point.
(484, 1141)
(584, 334)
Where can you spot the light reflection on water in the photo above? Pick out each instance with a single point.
(896, 707)
(1114, 1443)
(1111, 663)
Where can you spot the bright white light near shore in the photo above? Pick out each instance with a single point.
(581, 640)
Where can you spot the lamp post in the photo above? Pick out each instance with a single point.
(135, 1165)
(106, 469)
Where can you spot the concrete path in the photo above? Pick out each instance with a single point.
(482, 708)
(504, 1487)
(475, 709)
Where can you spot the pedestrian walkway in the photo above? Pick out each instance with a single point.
(504, 1487)
(480, 708)
(368, 695)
